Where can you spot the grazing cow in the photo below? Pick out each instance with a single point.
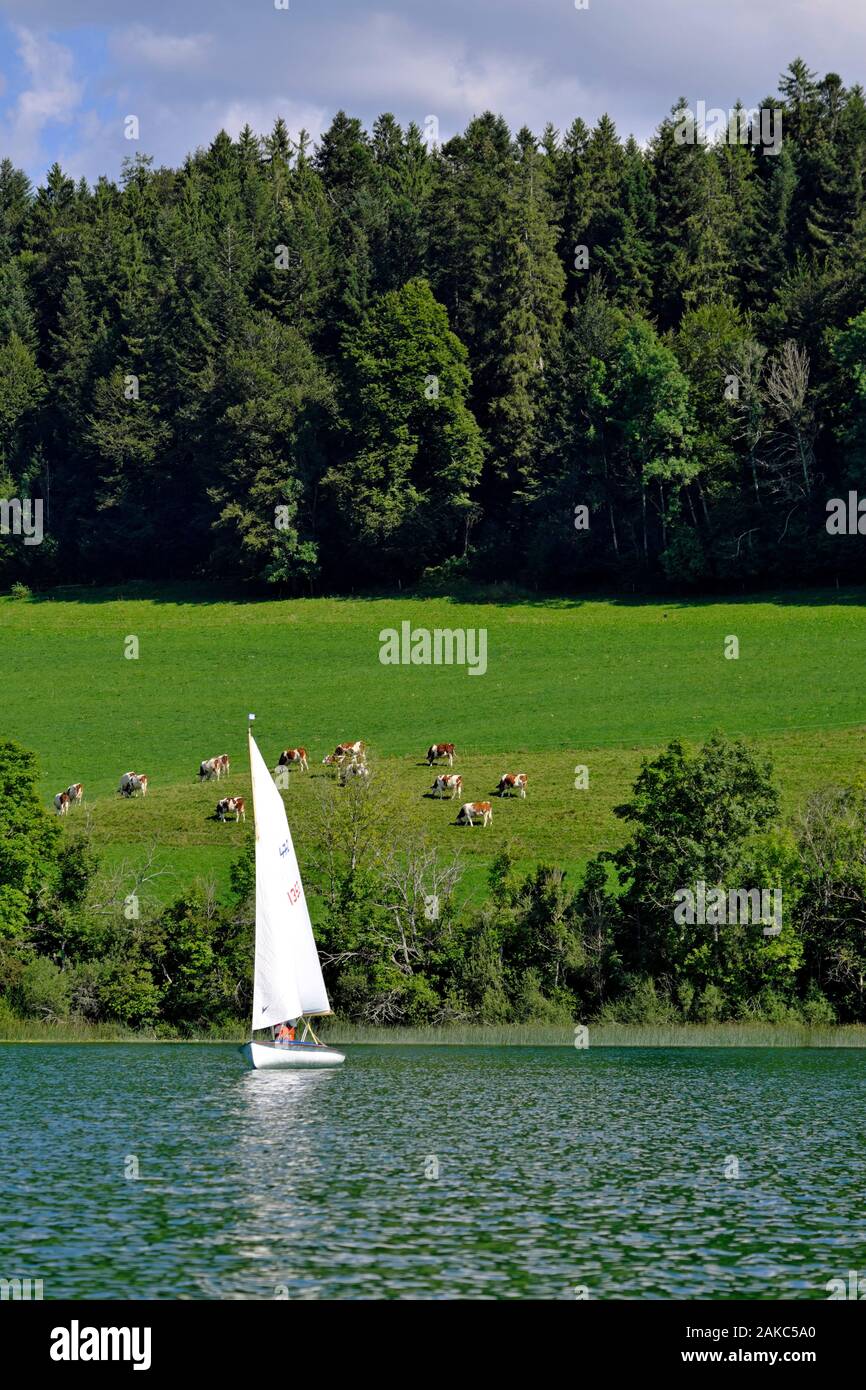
(290, 756)
(471, 811)
(61, 803)
(231, 805)
(440, 750)
(448, 782)
(132, 782)
(355, 751)
(75, 792)
(512, 782)
(214, 767)
(353, 769)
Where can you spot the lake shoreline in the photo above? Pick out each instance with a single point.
(491, 1035)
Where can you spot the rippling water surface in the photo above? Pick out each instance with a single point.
(611, 1169)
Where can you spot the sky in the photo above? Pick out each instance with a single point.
(73, 71)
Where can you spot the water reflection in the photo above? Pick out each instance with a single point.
(432, 1172)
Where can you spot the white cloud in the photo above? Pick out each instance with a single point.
(384, 62)
(179, 53)
(53, 94)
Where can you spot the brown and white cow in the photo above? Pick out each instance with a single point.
(231, 805)
(441, 750)
(214, 767)
(61, 803)
(471, 811)
(294, 757)
(448, 782)
(512, 782)
(132, 782)
(345, 752)
(75, 792)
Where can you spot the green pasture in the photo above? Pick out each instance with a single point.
(568, 682)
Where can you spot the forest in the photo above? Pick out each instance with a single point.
(559, 359)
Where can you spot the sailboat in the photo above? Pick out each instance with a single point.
(287, 982)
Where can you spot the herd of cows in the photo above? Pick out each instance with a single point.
(350, 760)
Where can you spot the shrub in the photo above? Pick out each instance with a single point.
(816, 1009)
(710, 1006)
(769, 1007)
(127, 993)
(42, 990)
(9, 1021)
(421, 1003)
(532, 1005)
(84, 998)
(641, 1003)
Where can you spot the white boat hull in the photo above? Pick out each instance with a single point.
(263, 1056)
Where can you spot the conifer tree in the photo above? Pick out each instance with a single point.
(521, 336)
(403, 494)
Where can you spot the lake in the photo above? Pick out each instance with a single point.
(416, 1172)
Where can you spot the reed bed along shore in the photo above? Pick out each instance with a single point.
(15, 1030)
(609, 1035)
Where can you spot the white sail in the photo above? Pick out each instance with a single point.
(288, 977)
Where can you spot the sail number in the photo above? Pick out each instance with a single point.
(294, 892)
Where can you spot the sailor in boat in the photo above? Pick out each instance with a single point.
(286, 1032)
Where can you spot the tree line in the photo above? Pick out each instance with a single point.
(400, 944)
(380, 359)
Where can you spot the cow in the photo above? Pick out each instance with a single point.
(471, 811)
(61, 803)
(353, 769)
(294, 756)
(448, 782)
(132, 782)
(512, 782)
(214, 767)
(75, 792)
(355, 751)
(229, 805)
(441, 750)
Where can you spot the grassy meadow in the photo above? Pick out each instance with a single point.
(568, 682)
